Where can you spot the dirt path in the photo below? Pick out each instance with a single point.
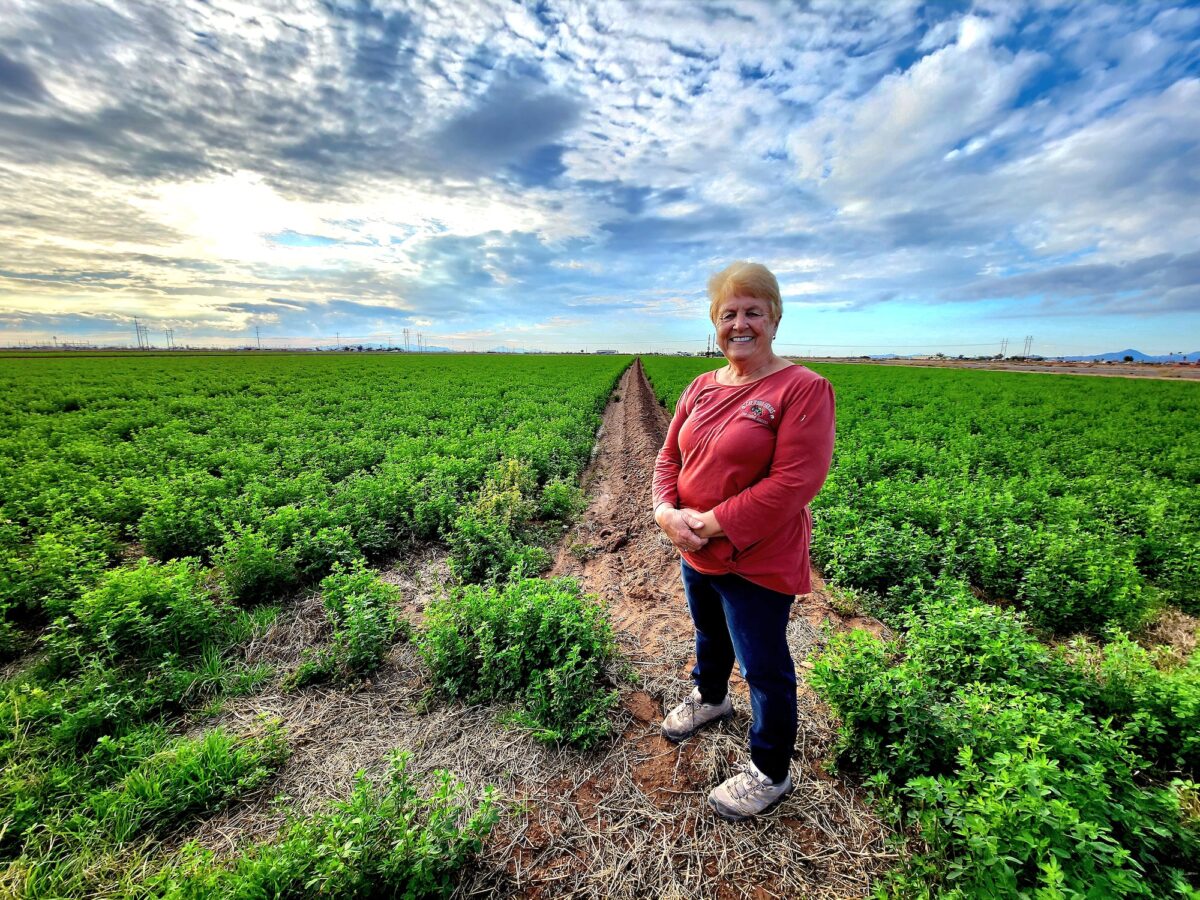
(616, 551)
(630, 821)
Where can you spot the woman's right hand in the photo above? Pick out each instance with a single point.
(680, 525)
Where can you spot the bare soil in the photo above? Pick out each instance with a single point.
(628, 821)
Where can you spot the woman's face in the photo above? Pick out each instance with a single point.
(745, 331)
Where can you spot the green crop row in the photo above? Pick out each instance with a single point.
(1022, 770)
(277, 468)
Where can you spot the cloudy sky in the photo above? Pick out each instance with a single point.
(567, 174)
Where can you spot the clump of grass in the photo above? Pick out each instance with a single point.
(189, 775)
(540, 644)
(383, 841)
(84, 849)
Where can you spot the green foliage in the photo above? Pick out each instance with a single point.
(486, 542)
(383, 841)
(536, 643)
(1072, 497)
(184, 519)
(139, 614)
(562, 499)
(41, 580)
(1150, 695)
(1012, 761)
(255, 570)
(187, 776)
(365, 616)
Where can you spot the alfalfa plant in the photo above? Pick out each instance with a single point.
(540, 644)
(365, 615)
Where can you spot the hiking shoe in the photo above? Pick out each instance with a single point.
(747, 794)
(693, 714)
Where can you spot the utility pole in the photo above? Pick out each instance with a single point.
(339, 340)
(258, 334)
(1003, 347)
(1028, 345)
(138, 331)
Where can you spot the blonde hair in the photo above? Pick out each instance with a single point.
(745, 279)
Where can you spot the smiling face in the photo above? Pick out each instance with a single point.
(745, 332)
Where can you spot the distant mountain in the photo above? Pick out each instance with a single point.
(1137, 355)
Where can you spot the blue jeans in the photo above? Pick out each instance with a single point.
(735, 617)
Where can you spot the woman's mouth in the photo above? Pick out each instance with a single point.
(739, 340)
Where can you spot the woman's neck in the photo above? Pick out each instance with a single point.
(743, 373)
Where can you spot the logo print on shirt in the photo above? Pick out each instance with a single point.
(758, 410)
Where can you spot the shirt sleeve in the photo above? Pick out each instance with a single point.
(803, 452)
(670, 459)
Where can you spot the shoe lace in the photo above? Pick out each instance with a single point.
(746, 783)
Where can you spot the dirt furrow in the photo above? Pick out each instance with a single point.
(615, 550)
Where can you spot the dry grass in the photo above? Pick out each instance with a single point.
(629, 821)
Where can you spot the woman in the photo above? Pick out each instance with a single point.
(748, 448)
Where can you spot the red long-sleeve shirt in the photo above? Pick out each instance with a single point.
(756, 455)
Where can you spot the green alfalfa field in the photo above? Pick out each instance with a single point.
(1030, 728)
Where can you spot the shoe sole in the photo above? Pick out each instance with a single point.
(742, 817)
(679, 739)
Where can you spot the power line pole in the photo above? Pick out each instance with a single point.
(138, 331)
(258, 334)
(1028, 345)
(1003, 347)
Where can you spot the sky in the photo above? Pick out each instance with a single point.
(921, 177)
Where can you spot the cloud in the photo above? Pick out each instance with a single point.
(19, 82)
(514, 117)
(491, 165)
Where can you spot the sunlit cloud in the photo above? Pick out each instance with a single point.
(576, 170)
